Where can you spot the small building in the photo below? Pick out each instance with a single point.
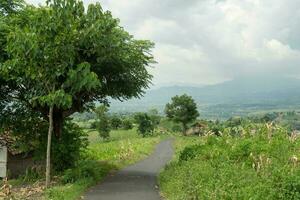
(12, 161)
(3, 159)
(199, 128)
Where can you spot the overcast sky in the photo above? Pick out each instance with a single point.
(210, 41)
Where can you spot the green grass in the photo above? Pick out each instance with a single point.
(262, 164)
(69, 191)
(114, 135)
(125, 147)
(72, 191)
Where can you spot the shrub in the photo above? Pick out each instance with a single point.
(84, 169)
(176, 128)
(115, 122)
(145, 124)
(190, 152)
(33, 174)
(103, 124)
(93, 125)
(66, 150)
(103, 128)
(127, 124)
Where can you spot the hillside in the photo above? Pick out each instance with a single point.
(236, 97)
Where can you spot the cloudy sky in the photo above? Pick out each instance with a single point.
(210, 41)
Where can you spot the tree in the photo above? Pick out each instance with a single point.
(115, 122)
(10, 6)
(182, 109)
(145, 124)
(103, 124)
(99, 58)
(9, 10)
(61, 58)
(155, 118)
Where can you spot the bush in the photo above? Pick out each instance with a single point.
(66, 150)
(145, 124)
(33, 174)
(190, 152)
(84, 169)
(115, 122)
(93, 125)
(177, 128)
(103, 128)
(103, 125)
(127, 124)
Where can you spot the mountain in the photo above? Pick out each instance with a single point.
(239, 96)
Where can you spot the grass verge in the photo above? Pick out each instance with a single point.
(261, 164)
(124, 148)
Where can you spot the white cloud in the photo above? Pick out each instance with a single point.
(209, 41)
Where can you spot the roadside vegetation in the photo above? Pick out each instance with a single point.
(244, 160)
(99, 158)
(54, 111)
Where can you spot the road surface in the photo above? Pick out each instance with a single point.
(136, 182)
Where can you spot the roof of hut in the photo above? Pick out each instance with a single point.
(7, 140)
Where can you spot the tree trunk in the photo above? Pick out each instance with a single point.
(50, 130)
(58, 121)
(184, 129)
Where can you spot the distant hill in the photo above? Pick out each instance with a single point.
(236, 97)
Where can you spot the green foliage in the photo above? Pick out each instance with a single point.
(10, 6)
(29, 132)
(124, 147)
(103, 128)
(145, 124)
(93, 125)
(169, 125)
(177, 128)
(103, 123)
(154, 115)
(127, 124)
(116, 122)
(25, 126)
(70, 145)
(101, 157)
(261, 163)
(76, 180)
(84, 169)
(31, 175)
(269, 117)
(72, 142)
(190, 152)
(100, 59)
(183, 110)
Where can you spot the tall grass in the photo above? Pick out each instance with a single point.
(262, 162)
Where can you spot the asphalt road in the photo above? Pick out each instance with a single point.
(136, 182)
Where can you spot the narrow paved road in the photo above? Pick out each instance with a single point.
(136, 182)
